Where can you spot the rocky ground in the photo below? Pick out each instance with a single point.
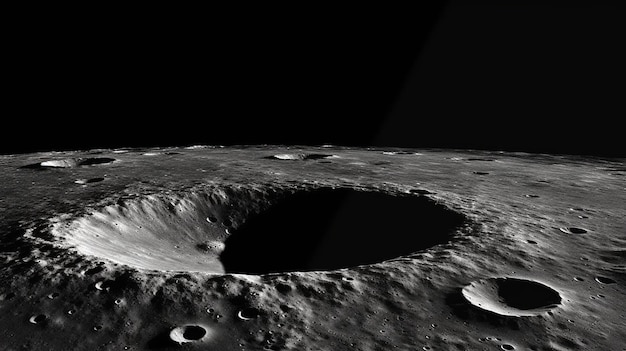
(216, 248)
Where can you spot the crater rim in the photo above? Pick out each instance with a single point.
(122, 224)
(512, 296)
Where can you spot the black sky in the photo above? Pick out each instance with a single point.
(540, 77)
(523, 76)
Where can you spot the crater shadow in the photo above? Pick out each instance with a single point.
(95, 161)
(329, 229)
(525, 294)
(511, 297)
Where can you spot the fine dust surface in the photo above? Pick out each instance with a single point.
(311, 248)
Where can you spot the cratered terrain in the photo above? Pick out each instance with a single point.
(311, 248)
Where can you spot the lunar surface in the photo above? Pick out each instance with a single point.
(311, 248)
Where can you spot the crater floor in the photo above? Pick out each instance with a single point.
(311, 248)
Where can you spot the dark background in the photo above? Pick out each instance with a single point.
(531, 76)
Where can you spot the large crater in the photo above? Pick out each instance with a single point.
(259, 231)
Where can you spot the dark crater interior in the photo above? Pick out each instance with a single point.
(328, 229)
(526, 294)
(576, 230)
(194, 332)
(95, 161)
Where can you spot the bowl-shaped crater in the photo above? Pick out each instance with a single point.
(262, 230)
(513, 297)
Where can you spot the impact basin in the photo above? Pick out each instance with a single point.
(262, 230)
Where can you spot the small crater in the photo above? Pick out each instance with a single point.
(577, 230)
(573, 230)
(481, 173)
(103, 285)
(507, 347)
(531, 196)
(71, 162)
(248, 313)
(511, 296)
(38, 319)
(51, 164)
(579, 279)
(317, 156)
(531, 242)
(605, 280)
(97, 328)
(301, 157)
(53, 295)
(187, 333)
(95, 161)
(67, 163)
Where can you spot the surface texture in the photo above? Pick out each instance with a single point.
(120, 250)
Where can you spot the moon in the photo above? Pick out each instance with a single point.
(311, 248)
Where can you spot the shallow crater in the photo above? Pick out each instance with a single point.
(187, 333)
(299, 157)
(573, 230)
(605, 280)
(71, 162)
(512, 297)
